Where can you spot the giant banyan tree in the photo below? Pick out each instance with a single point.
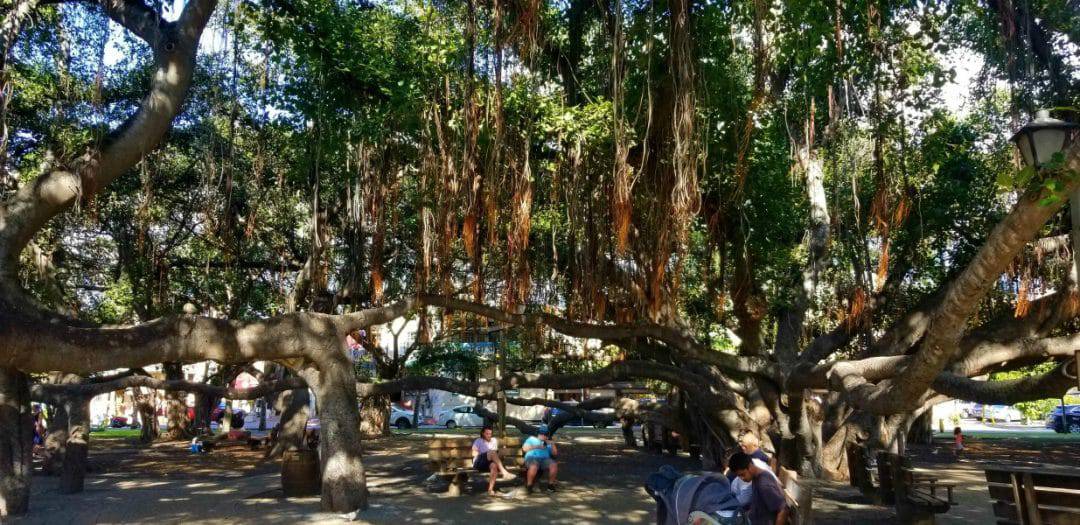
(804, 218)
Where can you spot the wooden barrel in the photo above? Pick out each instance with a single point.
(300, 473)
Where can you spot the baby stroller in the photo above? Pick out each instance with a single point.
(682, 498)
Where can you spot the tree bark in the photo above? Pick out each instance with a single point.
(293, 406)
(177, 428)
(56, 439)
(375, 416)
(344, 487)
(145, 404)
(73, 472)
(16, 443)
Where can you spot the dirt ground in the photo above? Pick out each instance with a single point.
(601, 483)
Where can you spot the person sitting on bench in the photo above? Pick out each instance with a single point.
(539, 453)
(486, 458)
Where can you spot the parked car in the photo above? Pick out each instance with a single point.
(577, 421)
(252, 419)
(1071, 421)
(459, 416)
(1004, 413)
(121, 422)
(967, 410)
(400, 417)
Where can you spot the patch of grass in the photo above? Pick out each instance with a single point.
(114, 433)
(1022, 436)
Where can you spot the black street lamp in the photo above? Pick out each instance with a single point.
(1041, 138)
(1038, 142)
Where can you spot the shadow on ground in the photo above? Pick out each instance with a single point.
(601, 483)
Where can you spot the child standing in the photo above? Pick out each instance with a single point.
(958, 447)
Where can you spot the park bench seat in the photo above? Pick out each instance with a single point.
(861, 470)
(799, 495)
(257, 441)
(452, 458)
(1034, 496)
(933, 504)
(914, 496)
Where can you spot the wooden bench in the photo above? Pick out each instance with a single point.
(452, 458)
(914, 496)
(1034, 496)
(861, 470)
(800, 496)
(256, 442)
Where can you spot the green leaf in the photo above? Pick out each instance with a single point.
(1050, 200)
(1024, 176)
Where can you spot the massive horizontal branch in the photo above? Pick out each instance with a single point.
(1006, 392)
(987, 355)
(52, 393)
(677, 340)
(981, 356)
(178, 338)
(619, 371)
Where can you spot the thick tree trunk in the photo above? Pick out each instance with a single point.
(16, 443)
(145, 405)
(204, 405)
(855, 429)
(78, 445)
(344, 487)
(375, 416)
(56, 434)
(56, 438)
(293, 406)
(922, 429)
(177, 426)
(802, 451)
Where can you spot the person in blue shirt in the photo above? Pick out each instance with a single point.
(540, 452)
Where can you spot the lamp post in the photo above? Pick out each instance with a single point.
(1038, 142)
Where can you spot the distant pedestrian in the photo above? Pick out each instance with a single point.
(39, 428)
(958, 445)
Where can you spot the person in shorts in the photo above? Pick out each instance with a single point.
(540, 452)
(485, 450)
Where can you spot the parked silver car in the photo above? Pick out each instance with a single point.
(459, 416)
(400, 417)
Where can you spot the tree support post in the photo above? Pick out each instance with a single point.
(73, 471)
(344, 487)
(16, 443)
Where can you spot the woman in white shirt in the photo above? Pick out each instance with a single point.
(486, 458)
